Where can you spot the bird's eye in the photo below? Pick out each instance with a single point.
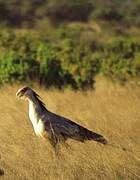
(24, 90)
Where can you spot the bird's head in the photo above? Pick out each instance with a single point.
(24, 93)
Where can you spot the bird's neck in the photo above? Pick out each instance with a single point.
(36, 114)
(36, 106)
(32, 113)
(33, 100)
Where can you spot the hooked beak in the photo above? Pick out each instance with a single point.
(19, 94)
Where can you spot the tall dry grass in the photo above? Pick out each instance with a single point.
(110, 109)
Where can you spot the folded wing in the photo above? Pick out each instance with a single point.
(65, 128)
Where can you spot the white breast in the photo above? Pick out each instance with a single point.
(37, 123)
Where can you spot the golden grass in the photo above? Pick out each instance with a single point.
(111, 110)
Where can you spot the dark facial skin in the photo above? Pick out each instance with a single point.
(22, 92)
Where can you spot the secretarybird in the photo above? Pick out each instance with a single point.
(51, 126)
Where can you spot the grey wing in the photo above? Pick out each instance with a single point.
(66, 128)
(61, 125)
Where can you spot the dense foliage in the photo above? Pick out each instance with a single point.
(70, 42)
(65, 61)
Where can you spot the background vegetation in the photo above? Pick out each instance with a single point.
(70, 42)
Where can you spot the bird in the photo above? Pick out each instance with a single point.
(51, 126)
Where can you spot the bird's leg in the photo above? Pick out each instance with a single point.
(54, 141)
(65, 144)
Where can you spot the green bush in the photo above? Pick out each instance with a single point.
(67, 61)
(13, 68)
(50, 71)
(121, 59)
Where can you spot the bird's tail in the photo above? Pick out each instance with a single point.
(89, 135)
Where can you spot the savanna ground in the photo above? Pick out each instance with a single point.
(110, 109)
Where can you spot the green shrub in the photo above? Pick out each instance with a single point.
(13, 68)
(68, 61)
(50, 72)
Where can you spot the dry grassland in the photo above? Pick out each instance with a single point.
(110, 109)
